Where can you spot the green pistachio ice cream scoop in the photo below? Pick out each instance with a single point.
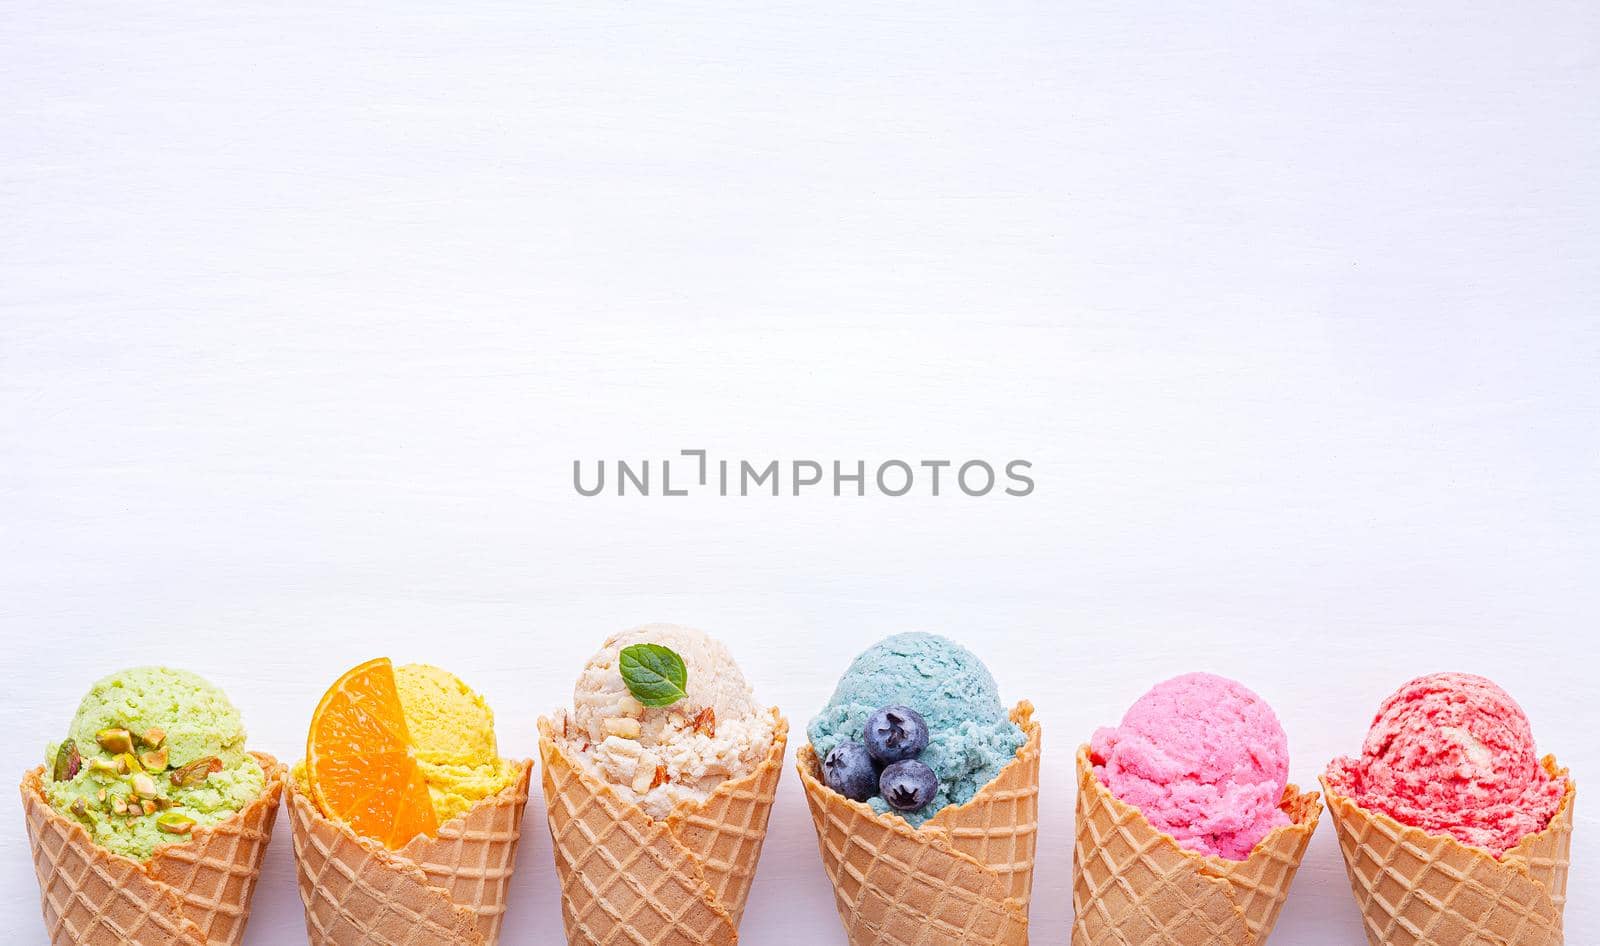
(152, 754)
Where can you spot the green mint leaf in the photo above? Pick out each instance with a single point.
(654, 674)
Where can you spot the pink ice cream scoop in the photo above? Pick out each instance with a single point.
(1452, 753)
(1204, 759)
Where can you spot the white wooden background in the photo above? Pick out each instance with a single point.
(306, 308)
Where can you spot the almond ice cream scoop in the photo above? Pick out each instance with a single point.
(1452, 753)
(1204, 759)
(660, 757)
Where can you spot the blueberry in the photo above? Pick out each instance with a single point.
(896, 733)
(908, 785)
(848, 770)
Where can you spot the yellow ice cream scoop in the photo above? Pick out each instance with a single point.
(450, 724)
(452, 736)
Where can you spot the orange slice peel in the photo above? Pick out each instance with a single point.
(360, 768)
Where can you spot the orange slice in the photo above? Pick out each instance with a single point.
(359, 764)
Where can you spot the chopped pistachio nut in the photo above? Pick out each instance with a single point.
(115, 741)
(153, 738)
(143, 785)
(69, 762)
(107, 766)
(154, 760)
(197, 771)
(174, 823)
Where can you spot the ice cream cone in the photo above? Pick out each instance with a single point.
(963, 879)
(1134, 886)
(1420, 889)
(195, 893)
(630, 880)
(448, 890)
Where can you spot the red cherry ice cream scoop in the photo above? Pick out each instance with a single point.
(1453, 754)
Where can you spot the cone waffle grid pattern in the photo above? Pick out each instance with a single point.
(895, 886)
(475, 855)
(891, 893)
(727, 832)
(1133, 884)
(1002, 832)
(215, 874)
(619, 881)
(368, 897)
(1130, 886)
(357, 892)
(629, 880)
(1548, 854)
(1420, 889)
(1459, 898)
(91, 897)
(1260, 885)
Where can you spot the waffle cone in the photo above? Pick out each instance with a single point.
(963, 879)
(1133, 885)
(195, 893)
(1420, 889)
(630, 880)
(448, 890)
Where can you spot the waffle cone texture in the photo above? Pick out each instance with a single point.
(449, 890)
(963, 879)
(630, 880)
(1415, 888)
(1133, 885)
(195, 893)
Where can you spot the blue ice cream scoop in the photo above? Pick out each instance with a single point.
(970, 735)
